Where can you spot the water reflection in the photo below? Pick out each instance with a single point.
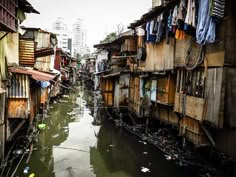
(78, 143)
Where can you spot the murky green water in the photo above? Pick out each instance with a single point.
(71, 146)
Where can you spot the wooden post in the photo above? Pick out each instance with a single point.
(146, 129)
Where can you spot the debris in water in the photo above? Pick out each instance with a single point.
(55, 136)
(145, 153)
(168, 157)
(26, 170)
(142, 142)
(18, 151)
(144, 169)
(50, 107)
(111, 145)
(63, 101)
(32, 175)
(71, 113)
(65, 96)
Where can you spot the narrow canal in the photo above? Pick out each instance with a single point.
(73, 146)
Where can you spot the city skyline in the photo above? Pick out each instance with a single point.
(100, 17)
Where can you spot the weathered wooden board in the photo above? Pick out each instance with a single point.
(180, 51)
(116, 92)
(194, 106)
(129, 44)
(155, 57)
(229, 93)
(191, 129)
(213, 96)
(169, 54)
(173, 118)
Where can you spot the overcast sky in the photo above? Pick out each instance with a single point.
(100, 16)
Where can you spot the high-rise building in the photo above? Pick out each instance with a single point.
(61, 30)
(79, 38)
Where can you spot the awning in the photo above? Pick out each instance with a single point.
(44, 52)
(27, 7)
(36, 75)
(111, 75)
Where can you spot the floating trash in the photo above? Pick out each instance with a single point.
(32, 175)
(65, 96)
(145, 153)
(71, 113)
(168, 157)
(144, 169)
(26, 170)
(111, 145)
(55, 136)
(18, 151)
(41, 126)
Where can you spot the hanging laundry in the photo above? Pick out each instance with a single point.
(180, 34)
(191, 13)
(217, 9)
(205, 32)
(152, 31)
(150, 37)
(182, 11)
(169, 26)
(174, 16)
(160, 29)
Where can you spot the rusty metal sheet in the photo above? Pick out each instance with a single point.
(44, 95)
(43, 40)
(44, 52)
(17, 108)
(27, 52)
(19, 86)
(43, 63)
(36, 75)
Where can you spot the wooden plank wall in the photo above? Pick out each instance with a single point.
(190, 128)
(107, 91)
(229, 85)
(213, 97)
(35, 98)
(134, 94)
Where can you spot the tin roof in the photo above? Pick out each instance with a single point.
(27, 7)
(36, 75)
(153, 13)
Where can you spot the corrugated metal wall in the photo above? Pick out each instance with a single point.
(27, 52)
(18, 97)
(19, 86)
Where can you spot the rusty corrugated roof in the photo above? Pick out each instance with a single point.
(26, 52)
(36, 75)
